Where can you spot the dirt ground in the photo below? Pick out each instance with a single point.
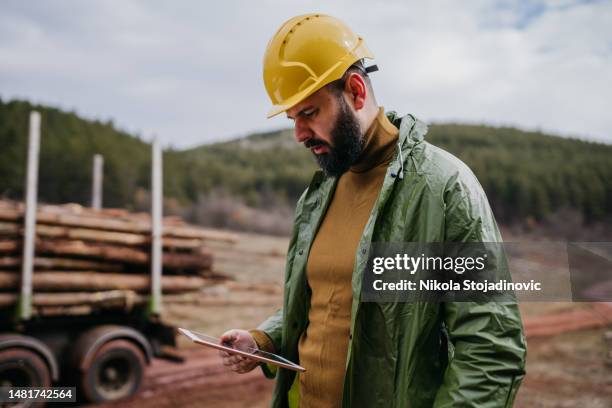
(568, 361)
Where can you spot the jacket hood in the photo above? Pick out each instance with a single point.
(411, 129)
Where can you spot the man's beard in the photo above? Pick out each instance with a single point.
(348, 143)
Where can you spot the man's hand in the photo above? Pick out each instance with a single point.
(241, 340)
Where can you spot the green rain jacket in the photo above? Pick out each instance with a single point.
(409, 354)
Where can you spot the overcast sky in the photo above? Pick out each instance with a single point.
(190, 71)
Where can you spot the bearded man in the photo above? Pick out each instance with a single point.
(380, 182)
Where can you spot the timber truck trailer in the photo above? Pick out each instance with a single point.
(103, 354)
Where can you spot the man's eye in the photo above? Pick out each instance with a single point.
(310, 114)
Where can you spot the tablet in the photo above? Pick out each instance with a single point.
(253, 354)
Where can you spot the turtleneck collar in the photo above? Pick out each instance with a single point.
(379, 144)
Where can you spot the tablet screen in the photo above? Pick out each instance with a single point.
(255, 354)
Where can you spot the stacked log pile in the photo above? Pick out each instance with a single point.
(100, 257)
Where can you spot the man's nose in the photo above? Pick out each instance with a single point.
(302, 132)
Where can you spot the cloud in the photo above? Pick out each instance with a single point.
(191, 73)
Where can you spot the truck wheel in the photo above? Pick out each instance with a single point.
(23, 368)
(115, 372)
(20, 367)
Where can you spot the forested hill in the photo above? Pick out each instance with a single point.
(525, 174)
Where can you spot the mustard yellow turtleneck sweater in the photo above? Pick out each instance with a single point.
(323, 346)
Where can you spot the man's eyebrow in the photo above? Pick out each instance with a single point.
(300, 112)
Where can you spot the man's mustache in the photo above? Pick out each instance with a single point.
(314, 142)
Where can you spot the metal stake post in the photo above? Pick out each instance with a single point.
(96, 188)
(25, 300)
(156, 230)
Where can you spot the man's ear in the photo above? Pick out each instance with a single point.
(356, 89)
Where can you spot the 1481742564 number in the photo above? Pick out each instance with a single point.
(56, 394)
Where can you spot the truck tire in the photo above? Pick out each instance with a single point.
(115, 372)
(20, 367)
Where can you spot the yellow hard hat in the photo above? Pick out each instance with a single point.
(307, 53)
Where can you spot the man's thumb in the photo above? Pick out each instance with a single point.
(229, 336)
